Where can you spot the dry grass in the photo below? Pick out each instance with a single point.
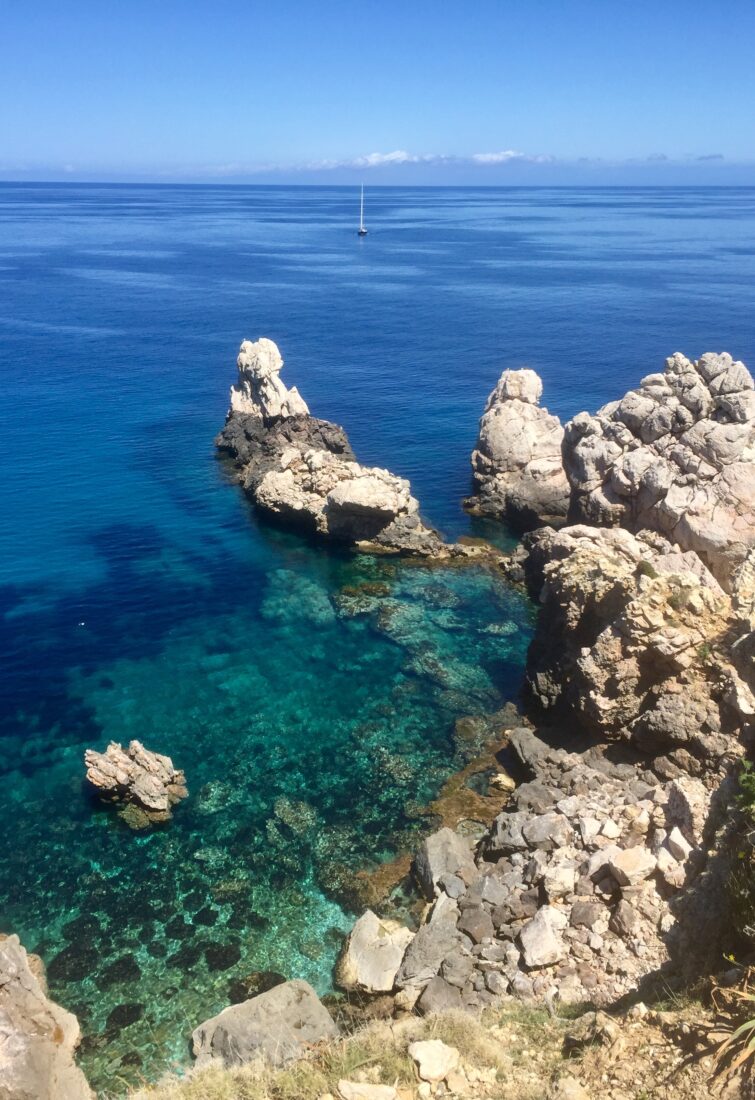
(515, 1051)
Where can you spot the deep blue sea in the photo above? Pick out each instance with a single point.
(309, 696)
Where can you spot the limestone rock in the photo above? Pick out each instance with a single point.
(674, 456)
(362, 1090)
(541, 943)
(517, 465)
(441, 853)
(143, 783)
(626, 629)
(434, 1059)
(631, 865)
(37, 1037)
(259, 390)
(278, 1025)
(302, 472)
(372, 954)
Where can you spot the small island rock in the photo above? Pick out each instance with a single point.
(301, 471)
(144, 784)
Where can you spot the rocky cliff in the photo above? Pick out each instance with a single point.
(301, 471)
(38, 1038)
(675, 456)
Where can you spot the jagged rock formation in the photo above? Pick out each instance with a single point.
(279, 1025)
(38, 1038)
(259, 391)
(302, 472)
(517, 465)
(144, 784)
(633, 644)
(674, 456)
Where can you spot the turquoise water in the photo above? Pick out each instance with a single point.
(309, 696)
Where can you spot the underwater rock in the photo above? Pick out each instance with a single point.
(280, 1025)
(302, 472)
(372, 954)
(37, 1037)
(675, 456)
(517, 468)
(243, 989)
(144, 783)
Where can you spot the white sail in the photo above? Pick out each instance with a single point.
(361, 209)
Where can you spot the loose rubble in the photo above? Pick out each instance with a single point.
(144, 784)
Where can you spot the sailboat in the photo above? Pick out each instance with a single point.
(362, 231)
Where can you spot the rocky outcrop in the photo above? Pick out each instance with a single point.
(372, 954)
(279, 1025)
(633, 644)
(301, 471)
(673, 456)
(38, 1038)
(143, 784)
(573, 892)
(516, 465)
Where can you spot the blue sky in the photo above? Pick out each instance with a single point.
(513, 91)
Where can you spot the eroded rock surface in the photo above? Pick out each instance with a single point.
(144, 784)
(632, 644)
(278, 1025)
(302, 472)
(517, 465)
(38, 1038)
(372, 954)
(674, 456)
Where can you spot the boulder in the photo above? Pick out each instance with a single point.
(443, 853)
(540, 940)
(279, 1025)
(434, 1059)
(372, 954)
(674, 456)
(631, 865)
(517, 468)
(144, 784)
(38, 1038)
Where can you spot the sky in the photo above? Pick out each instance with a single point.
(477, 92)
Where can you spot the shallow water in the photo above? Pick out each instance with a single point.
(310, 696)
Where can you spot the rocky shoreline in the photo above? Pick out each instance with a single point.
(603, 876)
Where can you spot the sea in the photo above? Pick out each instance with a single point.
(310, 695)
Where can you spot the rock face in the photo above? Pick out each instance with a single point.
(278, 1025)
(144, 784)
(259, 390)
(372, 954)
(673, 456)
(517, 465)
(302, 472)
(632, 644)
(37, 1037)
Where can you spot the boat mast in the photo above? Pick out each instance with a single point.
(361, 209)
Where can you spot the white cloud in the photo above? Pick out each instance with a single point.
(497, 158)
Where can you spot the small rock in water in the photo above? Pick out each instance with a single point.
(144, 783)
